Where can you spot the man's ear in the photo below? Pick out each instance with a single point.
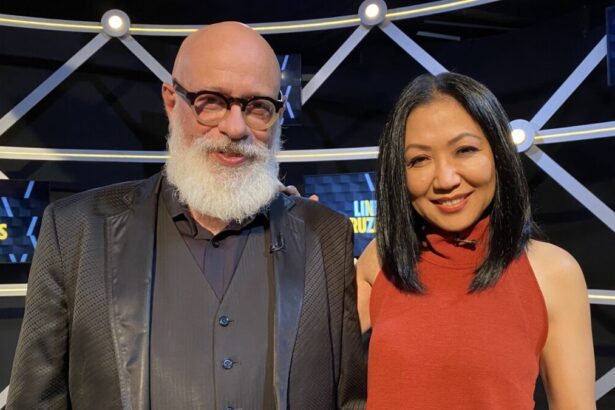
(168, 98)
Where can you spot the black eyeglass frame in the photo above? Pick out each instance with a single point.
(229, 101)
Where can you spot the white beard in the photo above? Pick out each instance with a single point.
(212, 189)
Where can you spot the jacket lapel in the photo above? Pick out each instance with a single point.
(130, 238)
(288, 250)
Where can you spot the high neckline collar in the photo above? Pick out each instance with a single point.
(457, 250)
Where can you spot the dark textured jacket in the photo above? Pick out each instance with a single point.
(84, 340)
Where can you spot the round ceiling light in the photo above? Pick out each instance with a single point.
(115, 23)
(372, 12)
(518, 136)
(522, 134)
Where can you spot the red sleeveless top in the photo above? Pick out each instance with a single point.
(450, 349)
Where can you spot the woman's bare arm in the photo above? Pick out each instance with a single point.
(567, 360)
(368, 267)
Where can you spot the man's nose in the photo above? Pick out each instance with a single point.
(234, 124)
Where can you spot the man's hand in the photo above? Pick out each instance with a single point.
(288, 189)
(293, 191)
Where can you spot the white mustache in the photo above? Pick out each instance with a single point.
(209, 188)
(228, 146)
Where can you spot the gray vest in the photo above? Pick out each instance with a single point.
(205, 353)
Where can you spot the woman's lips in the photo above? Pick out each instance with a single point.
(452, 205)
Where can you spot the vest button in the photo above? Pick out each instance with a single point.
(224, 321)
(227, 364)
(215, 243)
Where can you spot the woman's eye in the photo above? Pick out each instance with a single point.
(467, 149)
(416, 161)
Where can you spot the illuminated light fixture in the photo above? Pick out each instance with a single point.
(271, 28)
(372, 12)
(283, 156)
(49, 24)
(41, 154)
(518, 136)
(64, 156)
(12, 290)
(522, 134)
(430, 9)
(115, 23)
(601, 297)
(575, 133)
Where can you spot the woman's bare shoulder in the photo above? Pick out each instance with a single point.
(557, 271)
(551, 261)
(369, 264)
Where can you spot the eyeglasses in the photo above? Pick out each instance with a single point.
(211, 107)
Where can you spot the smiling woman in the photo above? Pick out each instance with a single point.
(450, 171)
(465, 307)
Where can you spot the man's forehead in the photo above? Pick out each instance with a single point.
(222, 44)
(239, 79)
(230, 58)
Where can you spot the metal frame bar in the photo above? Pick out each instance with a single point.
(547, 136)
(50, 154)
(4, 396)
(412, 48)
(605, 383)
(13, 290)
(295, 26)
(570, 85)
(74, 26)
(336, 59)
(595, 296)
(52, 82)
(576, 133)
(574, 187)
(146, 58)
(601, 297)
(435, 7)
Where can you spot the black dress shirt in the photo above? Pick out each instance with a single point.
(216, 255)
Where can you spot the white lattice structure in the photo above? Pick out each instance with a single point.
(529, 134)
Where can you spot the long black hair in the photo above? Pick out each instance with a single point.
(399, 227)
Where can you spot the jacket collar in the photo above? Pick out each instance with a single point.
(288, 251)
(129, 267)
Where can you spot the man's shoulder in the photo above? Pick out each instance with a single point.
(315, 213)
(105, 200)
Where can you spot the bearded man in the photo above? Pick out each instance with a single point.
(203, 287)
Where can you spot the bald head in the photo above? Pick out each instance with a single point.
(225, 49)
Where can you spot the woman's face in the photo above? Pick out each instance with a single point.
(450, 171)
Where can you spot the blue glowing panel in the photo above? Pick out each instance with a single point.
(21, 209)
(610, 41)
(351, 194)
(290, 64)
